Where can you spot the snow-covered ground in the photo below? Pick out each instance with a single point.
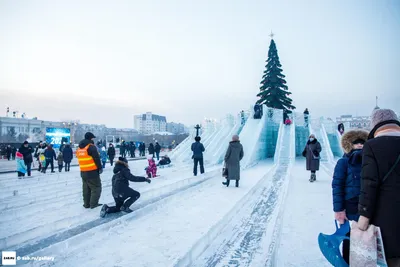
(272, 219)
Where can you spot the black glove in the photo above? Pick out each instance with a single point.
(100, 171)
(148, 180)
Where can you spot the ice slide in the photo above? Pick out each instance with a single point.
(334, 138)
(317, 128)
(222, 146)
(249, 137)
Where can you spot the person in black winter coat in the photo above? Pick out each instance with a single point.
(68, 154)
(50, 155)
(143, 150)
(133, 148)
(8, 152)
(151, 149)
(13, 152)
(380, 182)
(26, 150)
(124, 196)
(197, 157)
(111, 153)
(157, 149)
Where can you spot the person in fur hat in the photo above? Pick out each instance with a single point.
(380, 182)
(346, 181)
(124, 196)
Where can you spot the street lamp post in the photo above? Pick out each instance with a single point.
(197, 129)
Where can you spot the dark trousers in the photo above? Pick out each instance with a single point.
(60, 167)
(196, 162)
(111, 161)
(104, 164)
(67, 166)
(346, 249)
(28, 168)
(9, 156)
(49, 162)
(21, 174)
(91, 188)
(129, 197)
(158, 155)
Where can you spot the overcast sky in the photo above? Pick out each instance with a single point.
(104, 61)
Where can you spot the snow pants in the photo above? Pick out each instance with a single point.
(129, 197)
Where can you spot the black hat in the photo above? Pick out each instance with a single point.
(358, 141)
(89, 136)
(197, 138)
(26, 142)
(123, 159)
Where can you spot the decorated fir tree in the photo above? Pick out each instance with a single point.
(274, 91)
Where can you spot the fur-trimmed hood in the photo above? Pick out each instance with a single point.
(349, 137)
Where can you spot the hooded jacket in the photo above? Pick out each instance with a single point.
(121, 178)
(68, 154)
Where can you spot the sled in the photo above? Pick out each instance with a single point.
(330, 245)
(165, 166)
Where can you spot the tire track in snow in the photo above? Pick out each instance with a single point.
(242, 247)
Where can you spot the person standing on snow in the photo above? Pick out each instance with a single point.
(60, 159)
(151, 149)
(233, 156)
(111, 153)
(8, 152)
(21, 167)
(157, 149)
(13, 152)
(124, 196)
(312, 153)
(68, 155)
(50, 156)
(91, 168)
(380, 182)
(103, 156)
(346, 181)
(197, 157)
(26, 150)
(306, 116)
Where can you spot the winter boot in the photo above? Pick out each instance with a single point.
(237, 183)
(314, 177)
(311, 178)
(226, 183)
(126, 209)
(103, 211)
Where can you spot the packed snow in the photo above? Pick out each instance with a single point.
(272, 219)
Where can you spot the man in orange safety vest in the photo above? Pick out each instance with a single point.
(91, 168)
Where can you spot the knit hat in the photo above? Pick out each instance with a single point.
(26, 142)
(18, 155)
(381, 117)
(89, 136)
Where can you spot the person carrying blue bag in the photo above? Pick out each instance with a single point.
(346, 182)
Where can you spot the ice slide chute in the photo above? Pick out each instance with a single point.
(317, 128)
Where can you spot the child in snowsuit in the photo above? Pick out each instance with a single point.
(103, 156)
(346, 181)
(151, 170)
(21, 167)
(124, 196)
(60, 159)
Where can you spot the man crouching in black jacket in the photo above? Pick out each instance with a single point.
(124, 196)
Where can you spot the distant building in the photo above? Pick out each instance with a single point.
(175, 128)
(358, 122)
(20, 129)
(150, 123)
